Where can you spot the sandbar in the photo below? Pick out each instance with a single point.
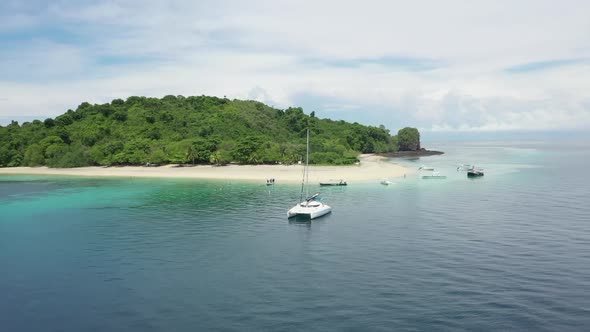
(370, 168)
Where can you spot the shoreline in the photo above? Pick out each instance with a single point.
(372, 168)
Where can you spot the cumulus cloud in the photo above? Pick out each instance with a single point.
(441, 66)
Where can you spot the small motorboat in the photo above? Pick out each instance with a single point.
(475, 172)
(464, 167)
(333, 183)
(386, 182)
(434, 175)
(425, 168)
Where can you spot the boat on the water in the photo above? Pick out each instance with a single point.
(386, 182)
(309, 207)
(425, 168)
(475, 172)
(434, 175)
(333, 183)
(465, 167)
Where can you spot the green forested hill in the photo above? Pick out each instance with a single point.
(177, 129)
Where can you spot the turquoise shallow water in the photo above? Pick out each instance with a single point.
(510, 251)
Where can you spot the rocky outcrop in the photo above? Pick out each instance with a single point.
(421, 152)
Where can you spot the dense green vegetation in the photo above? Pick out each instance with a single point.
(185, 130)
(408, 139)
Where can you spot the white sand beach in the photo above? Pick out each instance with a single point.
(371, 168)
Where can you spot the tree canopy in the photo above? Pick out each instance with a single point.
(187, 130)
(408, 139)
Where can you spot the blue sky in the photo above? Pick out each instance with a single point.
(442, 66)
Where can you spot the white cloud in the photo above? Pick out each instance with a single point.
(262, 50)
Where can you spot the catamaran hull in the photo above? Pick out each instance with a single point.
(311, 213)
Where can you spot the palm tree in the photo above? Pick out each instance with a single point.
(191, 153)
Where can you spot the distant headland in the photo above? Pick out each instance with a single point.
(409, 145)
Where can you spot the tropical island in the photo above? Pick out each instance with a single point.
(187, 131)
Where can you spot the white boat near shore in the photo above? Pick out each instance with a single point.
(425, 168)
(434, 175)
(465, 167)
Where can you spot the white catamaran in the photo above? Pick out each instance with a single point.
(309, 207)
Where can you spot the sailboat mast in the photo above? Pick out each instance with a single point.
(307, 167)
(303, 179)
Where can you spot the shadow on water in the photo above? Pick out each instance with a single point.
(300, 220)
(475, 178)
(306, 221)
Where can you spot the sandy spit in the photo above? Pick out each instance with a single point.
(371, 168)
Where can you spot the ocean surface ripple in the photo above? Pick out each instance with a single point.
(509, 251)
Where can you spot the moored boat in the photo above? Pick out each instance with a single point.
(475, 172)
(333, 183)
(311, 207)
(464, 167)
(434, 175)
(426, 168)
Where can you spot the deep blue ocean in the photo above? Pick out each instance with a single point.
(509, 251)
